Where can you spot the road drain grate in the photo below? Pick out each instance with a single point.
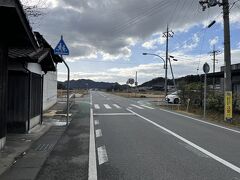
(44, 147)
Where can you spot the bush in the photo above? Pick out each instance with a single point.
(215, 102)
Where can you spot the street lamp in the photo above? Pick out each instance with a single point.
(174, 82)
(164, 67)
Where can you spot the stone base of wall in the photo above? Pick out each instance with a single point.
(35, 121)
(2, 142)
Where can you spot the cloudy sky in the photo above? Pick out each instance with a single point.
(106, 38)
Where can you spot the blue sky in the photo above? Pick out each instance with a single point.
(107, 38)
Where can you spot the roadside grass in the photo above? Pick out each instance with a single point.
(152, 94)
(62, 93)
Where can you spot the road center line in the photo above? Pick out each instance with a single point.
(96, 122)
(92, 167)
(205, 122)
(213, 156)
(98, 133)
(102, 155)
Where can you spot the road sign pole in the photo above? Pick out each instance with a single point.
(68, 80)
(61, 49)
(206, 69)
(205, 96)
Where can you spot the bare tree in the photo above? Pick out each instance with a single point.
(35, 10)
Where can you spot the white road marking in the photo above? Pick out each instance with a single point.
(92, 167)
(102, 95)
(136, 106)
(213, 156)
(107, 106)
(90, 98)
(113, 114)
(96, 106)
(97, 122)
(148, 107)
(205, 122)
(102, 155)
(98, 133)
(116, 106)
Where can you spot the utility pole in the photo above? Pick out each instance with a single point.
(167, 34)
(214, 53)
(227, 55)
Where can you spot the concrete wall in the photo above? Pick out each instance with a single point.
(49, 90)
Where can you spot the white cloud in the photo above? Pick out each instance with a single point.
(114, 26)
(213, 41)
(152, 44)
(193, 43)
(238, 45)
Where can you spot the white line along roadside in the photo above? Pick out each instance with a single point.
(92, 167)
(98, 133)
(102, 155)
(107, 106)
(136, 106)
(213, 156)
(205, 122)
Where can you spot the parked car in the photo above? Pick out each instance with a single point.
(173, 98)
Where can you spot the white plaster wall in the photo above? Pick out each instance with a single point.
(49, 90)
(35, 68)
(34, 121)
(2, 142)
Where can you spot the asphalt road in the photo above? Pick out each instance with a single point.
(137, 141)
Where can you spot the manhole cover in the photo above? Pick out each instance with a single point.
(44, 147)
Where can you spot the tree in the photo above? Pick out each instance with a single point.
(34, 10)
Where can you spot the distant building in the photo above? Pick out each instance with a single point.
(235, 78)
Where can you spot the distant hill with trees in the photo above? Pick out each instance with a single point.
(90, 84)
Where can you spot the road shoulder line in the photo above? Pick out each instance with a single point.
(213, 156)
(205, 122)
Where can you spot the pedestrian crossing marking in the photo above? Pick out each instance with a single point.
(117, 106)
(136, 106)
(148, 107)
(96, 106)
(107, 106)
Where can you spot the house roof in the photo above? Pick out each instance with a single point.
(23, 44)
(15, 29)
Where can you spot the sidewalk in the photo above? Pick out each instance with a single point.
(69, 159)
(24, 154)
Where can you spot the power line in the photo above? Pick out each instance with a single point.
(154, 9)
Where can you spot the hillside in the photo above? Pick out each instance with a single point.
(90, 84)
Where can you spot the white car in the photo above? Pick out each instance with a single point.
(173, 98)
